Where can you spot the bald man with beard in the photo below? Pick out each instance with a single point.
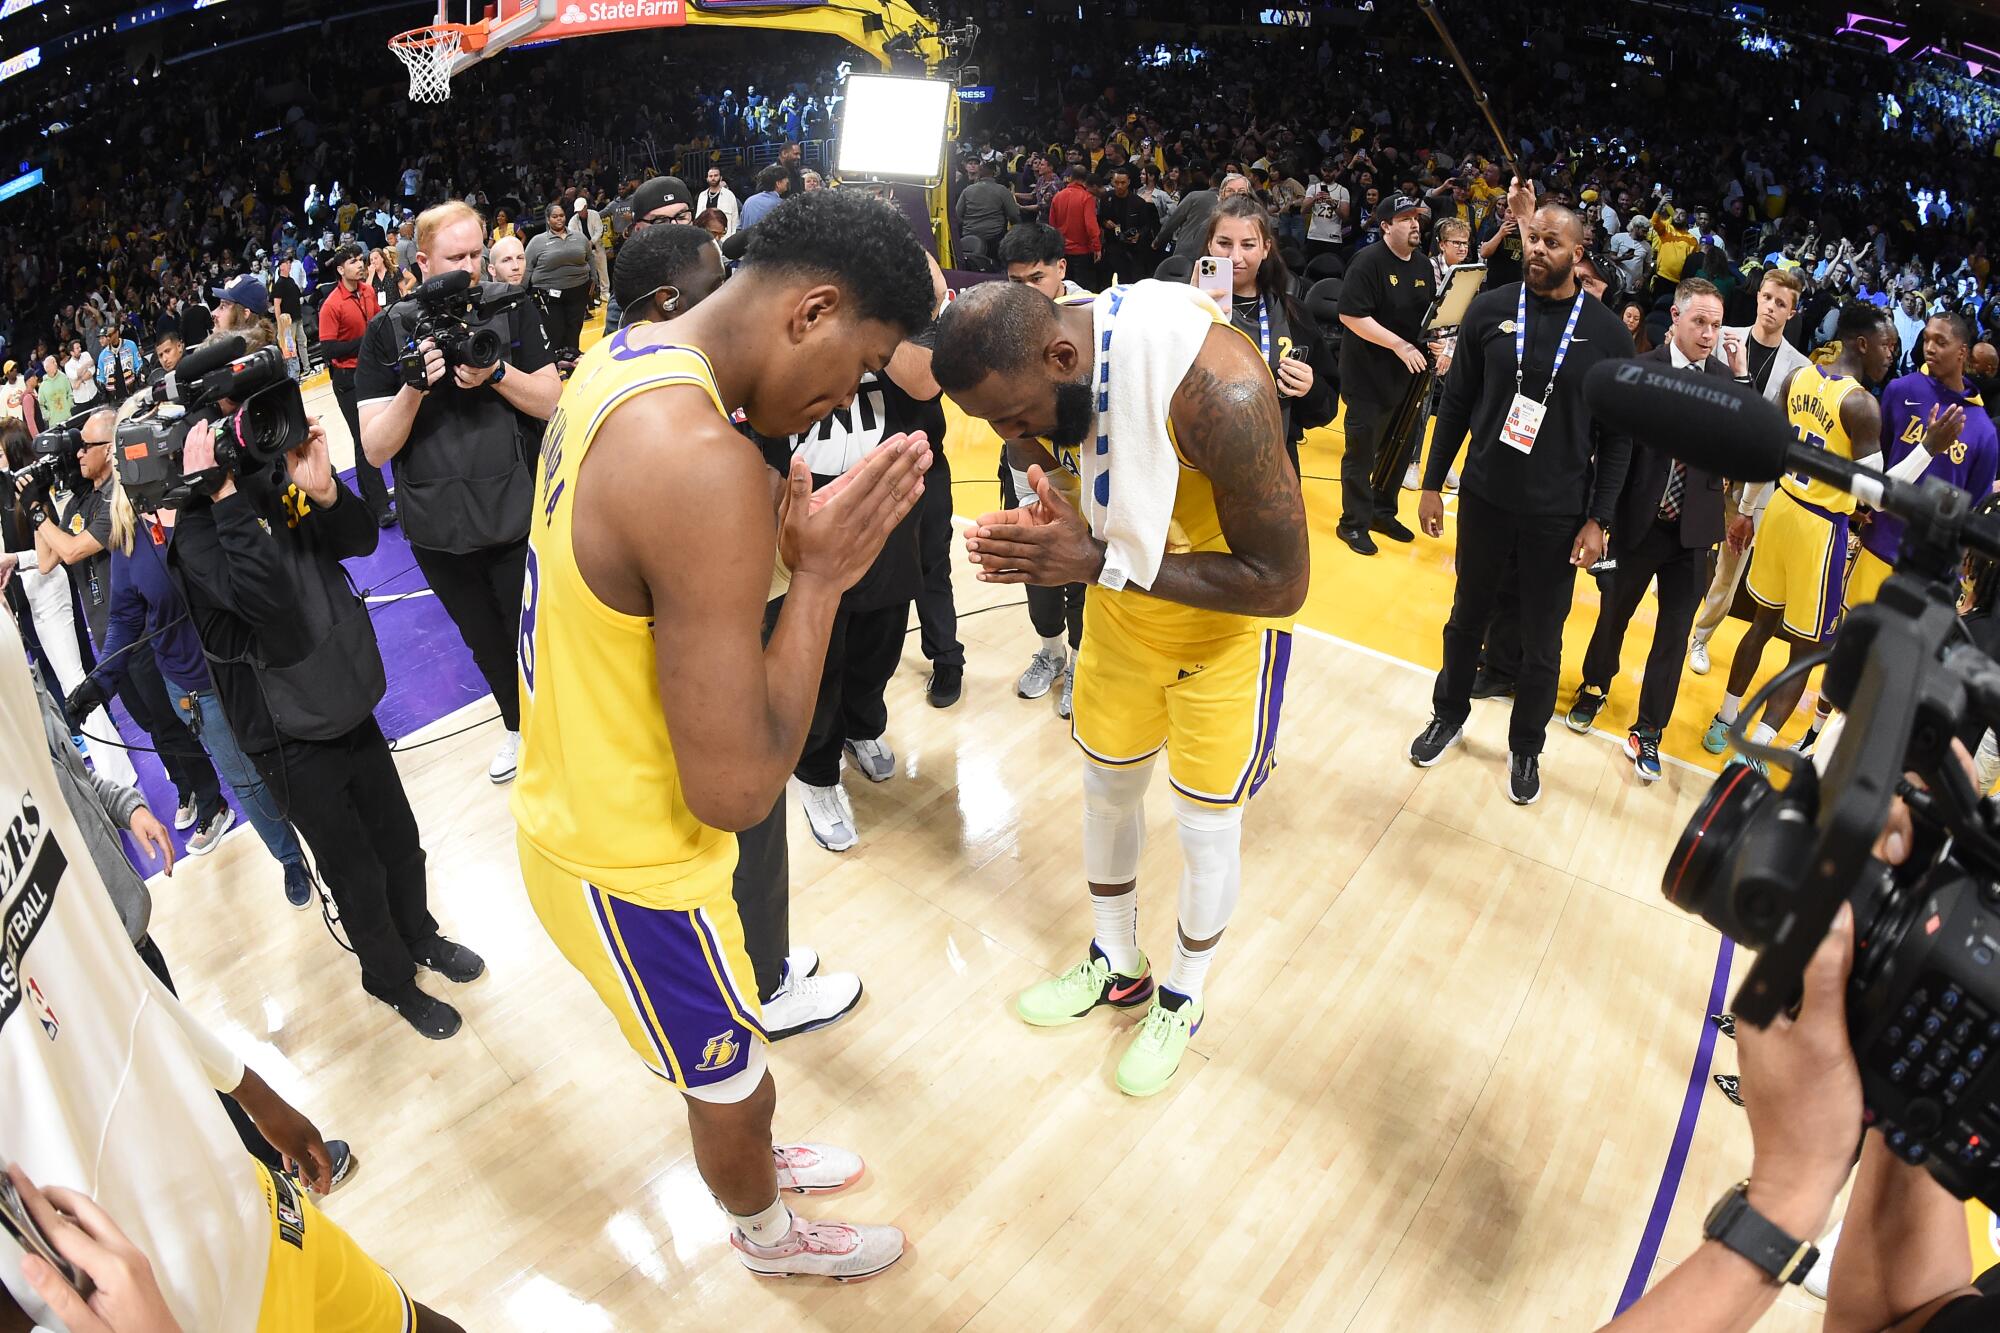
(1540, 482)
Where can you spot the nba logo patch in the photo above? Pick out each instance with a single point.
(42, 1009)
(719, 1051)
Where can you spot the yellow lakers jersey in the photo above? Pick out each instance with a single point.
(1812, 402)
(598, 791)
(1195, 526)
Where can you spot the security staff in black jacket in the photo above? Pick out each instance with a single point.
(462, 449)
(1540, 481)
(296, 664)
(1668, 517)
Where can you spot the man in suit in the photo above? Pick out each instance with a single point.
(1669, 514)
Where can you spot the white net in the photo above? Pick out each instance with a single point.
(428, 53)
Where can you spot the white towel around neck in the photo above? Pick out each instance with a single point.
(1156, 329)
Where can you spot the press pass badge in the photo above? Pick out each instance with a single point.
(1524, 422)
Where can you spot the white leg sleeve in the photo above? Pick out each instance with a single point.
(1212, 873)
(1114, 821)
(1987, 761)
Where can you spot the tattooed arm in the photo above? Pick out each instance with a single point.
(1227, 422)
(1225, 417)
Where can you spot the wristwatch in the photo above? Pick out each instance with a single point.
(1743, 1229)
(499, 372)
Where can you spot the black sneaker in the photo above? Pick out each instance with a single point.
(430, 1016)
(1488, 686)
(1725, 1024)
(344, 1163)
(1583, 713)
(387, 518)
(1524, 778)
(1393, 529)
(1732, 1087)
(944, 686)
(1430, 745)
(1357, 541)
(452, 961)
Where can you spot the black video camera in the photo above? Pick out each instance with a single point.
(1770, 868)
(445, 310)
(267, 419)
(58, 463)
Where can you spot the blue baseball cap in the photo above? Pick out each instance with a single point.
(247, 292)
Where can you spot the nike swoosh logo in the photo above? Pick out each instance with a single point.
(1120, 993)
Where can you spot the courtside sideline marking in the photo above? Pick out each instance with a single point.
(1670, 1174)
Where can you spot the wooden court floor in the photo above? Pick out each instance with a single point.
(1447, 1052)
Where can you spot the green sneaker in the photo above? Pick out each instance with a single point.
(1716, 739)
(1064, 999)
(1155, 1053)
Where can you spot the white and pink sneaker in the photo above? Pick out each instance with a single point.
(815, 1168)
(823, 1249)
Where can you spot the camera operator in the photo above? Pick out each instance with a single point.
(1903, 1262)
(460, 447)
(77, 534)
(343, 319)
(259, 560)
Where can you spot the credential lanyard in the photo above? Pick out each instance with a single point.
(1521, 339)
(1264, 329)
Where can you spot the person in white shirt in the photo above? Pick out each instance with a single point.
(590, 222)
(13, 387)
(716, 194)
(82, 371)
(1329, 208)
(108, 1091)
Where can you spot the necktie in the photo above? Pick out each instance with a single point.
(1670, 502)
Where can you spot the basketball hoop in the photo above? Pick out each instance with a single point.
(429, 54)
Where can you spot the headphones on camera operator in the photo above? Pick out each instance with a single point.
(1770, 868)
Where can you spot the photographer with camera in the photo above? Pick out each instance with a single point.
(454, 385)
(293, 656)
(77, 534)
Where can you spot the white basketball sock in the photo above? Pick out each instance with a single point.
(1117, 918)
(1190, 969)
(1732, 704)
(1057, 644)
(768, 1227)
(1763, 733)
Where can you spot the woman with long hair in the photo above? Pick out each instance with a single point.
(1633, 312)
(1262, 306)
(146, 604)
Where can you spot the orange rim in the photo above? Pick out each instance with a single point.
(471, 36)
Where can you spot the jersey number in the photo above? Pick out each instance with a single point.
(1810, 441)
(530, 594)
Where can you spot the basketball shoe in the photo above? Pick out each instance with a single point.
(1064, 999)
(1156, 1050)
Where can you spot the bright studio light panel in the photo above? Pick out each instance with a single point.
(893, 127)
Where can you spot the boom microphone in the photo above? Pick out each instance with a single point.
(1731, 430)
(1715, 424)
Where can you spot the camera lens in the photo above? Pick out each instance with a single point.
(481, 349)
(1702, 876)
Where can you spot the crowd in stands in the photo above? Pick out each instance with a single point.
(1743, 153)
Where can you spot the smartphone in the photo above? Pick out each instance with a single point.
(21, 1228)
(1213, 276)
(1296, 354)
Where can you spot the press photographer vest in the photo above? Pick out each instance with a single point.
(462, 480)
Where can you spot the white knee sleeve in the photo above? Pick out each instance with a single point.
(1212, 871)
(1114, 821)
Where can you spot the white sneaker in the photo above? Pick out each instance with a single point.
(803, 961)
(202, 841)
(1822, 1268)
(832, 823)
(1043, 668)
(805, 1003)
(1451, 480)
(1698, 657)
(876, 761)
(506, 759)
(816, 1168)
(837, 1250)
(1068, 692)
(184, 815)
(1412, 479)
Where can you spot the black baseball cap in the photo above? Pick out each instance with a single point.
(658, 191)
(1398, 204)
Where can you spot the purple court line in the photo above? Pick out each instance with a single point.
(1670, 1175)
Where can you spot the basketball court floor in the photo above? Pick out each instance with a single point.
(1456, 1071)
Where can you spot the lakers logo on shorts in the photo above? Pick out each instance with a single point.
(719, 1052)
